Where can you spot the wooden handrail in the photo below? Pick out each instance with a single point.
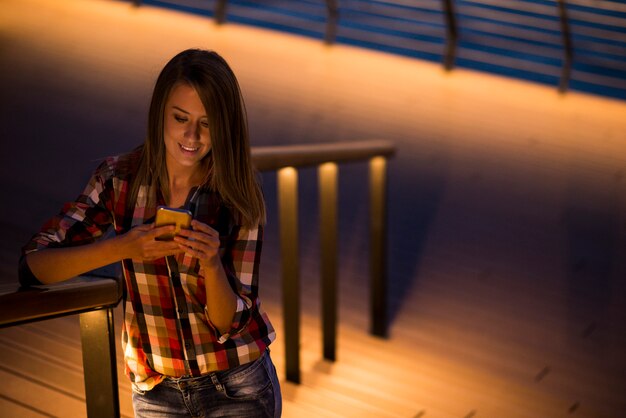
(277, 157)
(20, 305)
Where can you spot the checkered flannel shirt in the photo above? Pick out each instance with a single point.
(166, 331)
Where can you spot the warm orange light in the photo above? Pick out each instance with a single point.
(378, 166)
(287, 175)
(328, 171)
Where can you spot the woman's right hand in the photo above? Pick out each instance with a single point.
(140, 242)
(57, 264)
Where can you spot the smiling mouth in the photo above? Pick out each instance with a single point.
(188, 149)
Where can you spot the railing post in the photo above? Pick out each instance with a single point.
(567, 46)
(332, 13)
(327, 173)
(378, 245)
(288, 213)
(220, 11)
(452, 34)
(99, 364)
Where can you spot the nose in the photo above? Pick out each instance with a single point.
(192, 131)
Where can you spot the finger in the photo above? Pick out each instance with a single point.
(203, 246)
(189, 249)
(197, 248)
(162, 230)
(192, 251)
(198, 235)
(162, 249)
(197, 238)
(144, 227)
(199, 226)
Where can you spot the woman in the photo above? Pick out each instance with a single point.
(195, 339)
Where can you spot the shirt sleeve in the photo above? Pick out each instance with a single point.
(241, 264)
(79, 222)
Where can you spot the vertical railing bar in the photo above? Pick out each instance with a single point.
(378, 245)
(220, 11)
(288, 224)
(452, 34)
(568, 48)
(99, 363)
(332, 18)
(327, 176)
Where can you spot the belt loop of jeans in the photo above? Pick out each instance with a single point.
(216, 382)
(181, 382)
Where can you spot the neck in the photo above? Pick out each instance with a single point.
(181, 176)
(180, 183)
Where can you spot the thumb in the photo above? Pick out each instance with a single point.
(144, 227)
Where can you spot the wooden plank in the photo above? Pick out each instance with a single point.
(24, 390)
(13, 408)
(50, 376)
(54, 346)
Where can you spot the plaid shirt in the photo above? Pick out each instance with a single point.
(166, 331)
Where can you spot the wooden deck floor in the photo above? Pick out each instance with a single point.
(507, 241)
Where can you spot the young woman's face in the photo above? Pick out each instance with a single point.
(185, 129)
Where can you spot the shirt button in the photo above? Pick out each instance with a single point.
(187, 345)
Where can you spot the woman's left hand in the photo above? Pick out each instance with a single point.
(202, 242)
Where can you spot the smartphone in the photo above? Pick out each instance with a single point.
(171, 216)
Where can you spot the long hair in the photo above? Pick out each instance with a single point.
(228, 166)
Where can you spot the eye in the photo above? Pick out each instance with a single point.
(204, 124)
(180, 119)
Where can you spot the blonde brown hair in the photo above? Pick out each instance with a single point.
(228, 165)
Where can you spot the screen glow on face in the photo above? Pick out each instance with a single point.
(185, 129)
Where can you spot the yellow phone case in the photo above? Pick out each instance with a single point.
(172, 216)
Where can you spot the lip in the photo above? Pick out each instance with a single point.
(189, 150)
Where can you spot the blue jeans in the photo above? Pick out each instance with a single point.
(248, 391)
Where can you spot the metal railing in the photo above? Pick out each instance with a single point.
(93, 298)
(286, 160)
(579, 44)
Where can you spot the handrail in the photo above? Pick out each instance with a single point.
(286, 160)
(93, 299)
(20, 305)
(306, 155)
